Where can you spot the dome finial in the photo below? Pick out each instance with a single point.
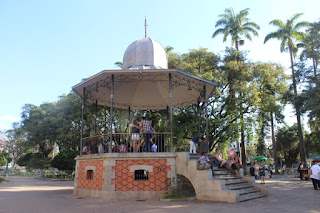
(145, 27)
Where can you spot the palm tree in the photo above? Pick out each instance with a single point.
(311, 46)
(288, 33)
(236, 25)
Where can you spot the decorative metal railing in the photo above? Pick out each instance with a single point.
(124, 143)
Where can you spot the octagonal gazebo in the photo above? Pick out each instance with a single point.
(144, 83)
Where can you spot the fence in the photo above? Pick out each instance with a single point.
(127, 142)
(53, 174)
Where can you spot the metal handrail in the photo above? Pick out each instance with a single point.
(165, 133)
(123, 142)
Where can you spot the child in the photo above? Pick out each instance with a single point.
(154, 147)
(262, 173)
(204, 161)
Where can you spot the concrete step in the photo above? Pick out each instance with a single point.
(220, 169)
(194, 156)
(239, 183)
(254, 194)
(231, 179)
(242, 189)
(220, 172)
(235, 186)
(222, 176)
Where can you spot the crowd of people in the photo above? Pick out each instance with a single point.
(145, 128)
(142, 136)
(233, 163)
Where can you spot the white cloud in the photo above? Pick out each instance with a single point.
(6, 121)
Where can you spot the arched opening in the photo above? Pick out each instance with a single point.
(184, 187)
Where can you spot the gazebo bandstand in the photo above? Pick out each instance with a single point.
(142, 85)
(142, 90)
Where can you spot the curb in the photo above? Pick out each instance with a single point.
(179, 199)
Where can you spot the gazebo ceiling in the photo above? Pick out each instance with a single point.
(144, 89)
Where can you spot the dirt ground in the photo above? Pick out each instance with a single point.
(29, 195)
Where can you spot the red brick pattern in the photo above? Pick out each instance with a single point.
(124, 179)
(97, 181)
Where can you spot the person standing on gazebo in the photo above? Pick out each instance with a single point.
(136, 127)
(195, 139)
(147, 130)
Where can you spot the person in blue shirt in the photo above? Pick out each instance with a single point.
(196, 139)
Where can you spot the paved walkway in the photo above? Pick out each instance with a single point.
(28, 195)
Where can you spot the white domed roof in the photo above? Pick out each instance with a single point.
(145, 53)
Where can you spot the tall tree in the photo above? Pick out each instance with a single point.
(236, 25)
(289, 34)
(311, 46)
(271, 81)
(288, 144)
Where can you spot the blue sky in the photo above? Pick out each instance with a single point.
(46, 47)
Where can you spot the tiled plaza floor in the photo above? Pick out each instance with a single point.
(28, 195)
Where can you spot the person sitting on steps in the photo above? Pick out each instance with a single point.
(236, 163)
(205, 162)
(218, 158)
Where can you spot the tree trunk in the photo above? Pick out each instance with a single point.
(237, 44)
(274, 145)
(298, 114)
(243, 148)
(314, 68)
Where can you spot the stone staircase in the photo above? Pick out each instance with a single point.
(244, 187)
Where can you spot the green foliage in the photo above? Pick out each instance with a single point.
(288, 144)
(289, 33)
(16, 139)
(311, 46)
(271, 83)
(244, 87)
(174, 197)
(248, 95)
(251, 151)
(24, 159)
(65, 160)
(2, 179)
(34, 161)
(38, 163)
(3, 158)
(313, 142)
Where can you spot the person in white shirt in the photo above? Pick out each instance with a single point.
(315, 176)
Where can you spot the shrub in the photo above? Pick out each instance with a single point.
(38, 163)
(65, 160)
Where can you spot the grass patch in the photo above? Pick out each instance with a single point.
(174, 197)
